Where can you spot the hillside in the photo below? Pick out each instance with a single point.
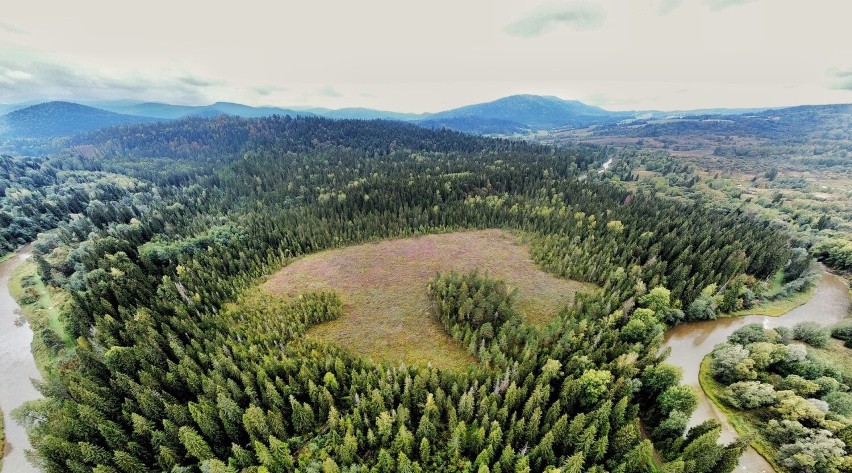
(360, 113)
(164, 110)
(524, 111)
(790, 165)
(53, 119)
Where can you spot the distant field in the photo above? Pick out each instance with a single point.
(383, 287)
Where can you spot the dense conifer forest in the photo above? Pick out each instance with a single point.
(176, 366)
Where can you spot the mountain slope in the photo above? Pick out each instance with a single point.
(53, 119)
(524, 111)
(476, 124)
(164, 110)
(366, 114)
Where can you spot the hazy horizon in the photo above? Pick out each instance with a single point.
(415, 58)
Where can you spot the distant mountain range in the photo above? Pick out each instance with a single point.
(168, 111)
(513, 115)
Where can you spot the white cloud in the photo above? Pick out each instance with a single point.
(579, 16)
(427, 56)
(717, 5)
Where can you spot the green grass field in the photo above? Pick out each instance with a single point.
(383, 286)
(836, 355)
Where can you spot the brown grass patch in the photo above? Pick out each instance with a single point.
(383, 287)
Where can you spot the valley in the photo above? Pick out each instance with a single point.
(414, 237)
(304, 294)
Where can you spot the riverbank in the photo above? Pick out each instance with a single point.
(778, 307)
(17, 368)
(42, 308)
(690, 343)
(738, 419)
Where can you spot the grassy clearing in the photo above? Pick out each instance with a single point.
(42, 306)
(742, 421)
(837, 355)
(383, 286)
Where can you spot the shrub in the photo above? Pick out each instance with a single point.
(799, 409)
(839, 402)
(751, 333)
(843, 331)
(812, 333)
(750, 395)
(801, 386)
(678, 398)
(702, 308)
(818, 452)
(827, 385)
(731, 363)
(766, 354)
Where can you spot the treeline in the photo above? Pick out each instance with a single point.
(168, 375)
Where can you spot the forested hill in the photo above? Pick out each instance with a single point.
(174, 363)
(227, 137)
(54, 119)
(822, 123)
(520, 113)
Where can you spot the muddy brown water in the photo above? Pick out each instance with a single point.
(17, 368)
(691, 342)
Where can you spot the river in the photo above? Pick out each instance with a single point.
(691, 342)
(17, 367)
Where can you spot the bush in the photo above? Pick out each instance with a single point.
(750, 395)
(818, 452)
(801, 386)
(840, 403)
(30, 296)
(785, 334)
(827, 385)
(703, 308)
(766, 354)
(799, 409)
(812, 333)
(731, 363)
(843, 331)
(678, 398)
(751, 333)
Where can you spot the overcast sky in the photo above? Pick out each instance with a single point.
(430, 55)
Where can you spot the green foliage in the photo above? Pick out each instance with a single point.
(843, 331)
(801, 408)
(478, 311)
(750, 395)
(732, 363)
(812, 333)
(180, 366)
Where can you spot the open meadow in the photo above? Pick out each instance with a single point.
(383, 287)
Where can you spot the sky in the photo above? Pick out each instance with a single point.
(426, 56)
